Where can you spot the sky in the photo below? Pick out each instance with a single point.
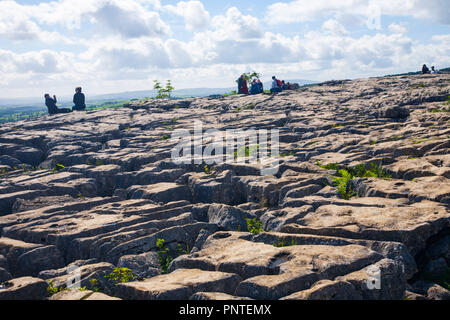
(109, 46)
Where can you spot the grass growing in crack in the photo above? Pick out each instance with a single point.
(309, 144)
(165, 137)
(120, 275)
(345, 174)
(52, 289)
(418, 141)
(245, 151)
(164, 254)
(374, 171)
(330, 166)
(341, 182)
(164, 257)
(283, 244)
(254, 226)
(94, 285)
(437, 110)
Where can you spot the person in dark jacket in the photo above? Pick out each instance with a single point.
(51, 105)
(254, 88)
(78, 100)
(261, 86)
(425, 69)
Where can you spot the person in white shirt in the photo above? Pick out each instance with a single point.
(433, 71)
(275, 86)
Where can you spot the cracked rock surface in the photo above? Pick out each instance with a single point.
(98, 190)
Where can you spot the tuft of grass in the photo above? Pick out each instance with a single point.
(418, 141)
(309, 144)
(94, 285)
(330, 166)
(373, 142)
(341, 182)
(283, 244)
(120, 275)
(52, 289)
(345, 174)
(437, 110)
(165, 137)
(254, 226)
(164, 257)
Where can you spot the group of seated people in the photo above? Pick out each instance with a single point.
(257, 86)
(425, 70)
(279, 85)
(78, 100)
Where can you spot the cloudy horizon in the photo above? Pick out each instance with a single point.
(110, 46)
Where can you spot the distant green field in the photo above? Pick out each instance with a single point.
(15, 113)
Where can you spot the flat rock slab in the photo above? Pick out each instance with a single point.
(271, 271)
(74, 294)
(409, 224)
(179, 285)
(25, 288)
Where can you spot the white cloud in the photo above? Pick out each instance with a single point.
(128, 18)
(235, 25)
(35, 62)
(194, 14)
(397, 28)
(16, 25)
(301, 10)
(124, 44)
(333, 27)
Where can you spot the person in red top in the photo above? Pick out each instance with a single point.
(280, 84)
(243, 85)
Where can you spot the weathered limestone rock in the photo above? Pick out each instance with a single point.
(99, 189)
(229, 218)
(179, 285)
(161, 192)
(327, 290)
(25, 288)
(144, 265)
(390, 220)
(216, 296)
(29, 259)
(74, 294)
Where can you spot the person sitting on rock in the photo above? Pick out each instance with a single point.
(242, 85)
(425, 69)
(284, 85)
(51, 105)
(78, 100)
(289, 87)
(433, 71)
(261, 86)
(275, 87)
(254, 89)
